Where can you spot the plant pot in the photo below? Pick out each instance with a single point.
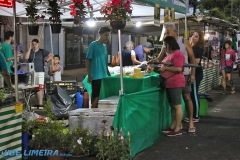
(33, 30)
(117, 25)
(78, 31)
(56, 28)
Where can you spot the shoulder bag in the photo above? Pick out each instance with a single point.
(228, 69)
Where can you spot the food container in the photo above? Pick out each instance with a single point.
(137, 75)
(131, 75)
(137, 70)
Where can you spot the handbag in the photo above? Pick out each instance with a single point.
(228, 69)
(163, 81)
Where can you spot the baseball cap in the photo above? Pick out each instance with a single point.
(148, 45)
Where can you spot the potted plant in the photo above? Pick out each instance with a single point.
(47, 134)
(54, 12)
(79, 143)
(118, 12)
(33, 15)
(113, 145)
(78, 11)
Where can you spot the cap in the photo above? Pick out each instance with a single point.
(148, 45)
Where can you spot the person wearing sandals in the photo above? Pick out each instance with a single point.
(197, 43)
(227, 60)
(175, 83)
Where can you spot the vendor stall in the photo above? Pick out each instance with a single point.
(11, 131)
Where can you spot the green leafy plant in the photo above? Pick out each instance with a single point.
(32, 12)
(113, 145)
(48, 109)
(49, 136)
(54, 11)
(117, 10)
(79, 142)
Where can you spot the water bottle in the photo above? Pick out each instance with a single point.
(79, 100)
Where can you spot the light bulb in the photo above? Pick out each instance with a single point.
(138, 24)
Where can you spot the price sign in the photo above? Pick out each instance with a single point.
(6, 3)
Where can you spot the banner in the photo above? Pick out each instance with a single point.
(157, 15)
(178, 5)
(6, 3)
(169, 15)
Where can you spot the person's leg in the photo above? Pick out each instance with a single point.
(231, 83)
(95, 102)
(7, 79)
(238, 70)
(223, 80)
(199, 78)
(188, 101)
(40, 98)
(176, 97)
(96, 86)
(193, 98)
(178, 117)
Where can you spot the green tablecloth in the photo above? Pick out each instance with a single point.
(111, 85)
(144, 114)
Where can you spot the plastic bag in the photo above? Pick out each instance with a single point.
(62, 103)
(30, 116)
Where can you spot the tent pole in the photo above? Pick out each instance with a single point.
(121, 67)
(50, 29)
(186, 30)
(15, 52)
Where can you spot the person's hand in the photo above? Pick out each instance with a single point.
(191, 79)
(19, 54)
(162, 69)
(151, 61)
(30, 45)
(89, 79)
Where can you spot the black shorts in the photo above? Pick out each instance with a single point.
(96, 86)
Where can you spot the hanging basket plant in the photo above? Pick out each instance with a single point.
(78, 11)
(33, 15)
(118, 12)
(55, 14)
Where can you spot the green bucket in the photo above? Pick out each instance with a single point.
(203, 107)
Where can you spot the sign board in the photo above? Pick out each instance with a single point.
(157, 15)
(178, 5)
(6, 3)
(169, 15)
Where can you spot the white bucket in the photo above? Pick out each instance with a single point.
(39, 79)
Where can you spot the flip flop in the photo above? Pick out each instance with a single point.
(233, 90)
(192, 130)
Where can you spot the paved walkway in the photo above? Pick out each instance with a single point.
(217, 135)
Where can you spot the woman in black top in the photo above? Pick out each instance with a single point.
(129, 55)
(197, 44)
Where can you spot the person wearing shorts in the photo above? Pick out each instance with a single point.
(186, 49)
(175, 82)
(97, 63)
(4, 71)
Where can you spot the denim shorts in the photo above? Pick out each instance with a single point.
(223, 68)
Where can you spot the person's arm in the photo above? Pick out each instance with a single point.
(27, 54)
(89, 56)
(133, 58)
(160, 57)
(192, 60)
(88, 66)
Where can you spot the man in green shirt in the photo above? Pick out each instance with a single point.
(3, 70)
(6, 49)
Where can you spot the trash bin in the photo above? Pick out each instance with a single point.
(204, 99)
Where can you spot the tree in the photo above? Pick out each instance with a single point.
(193, 4)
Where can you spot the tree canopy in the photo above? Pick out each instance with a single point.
(225, 9)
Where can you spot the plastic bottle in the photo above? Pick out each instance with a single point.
(79, 100)
(85, 100)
